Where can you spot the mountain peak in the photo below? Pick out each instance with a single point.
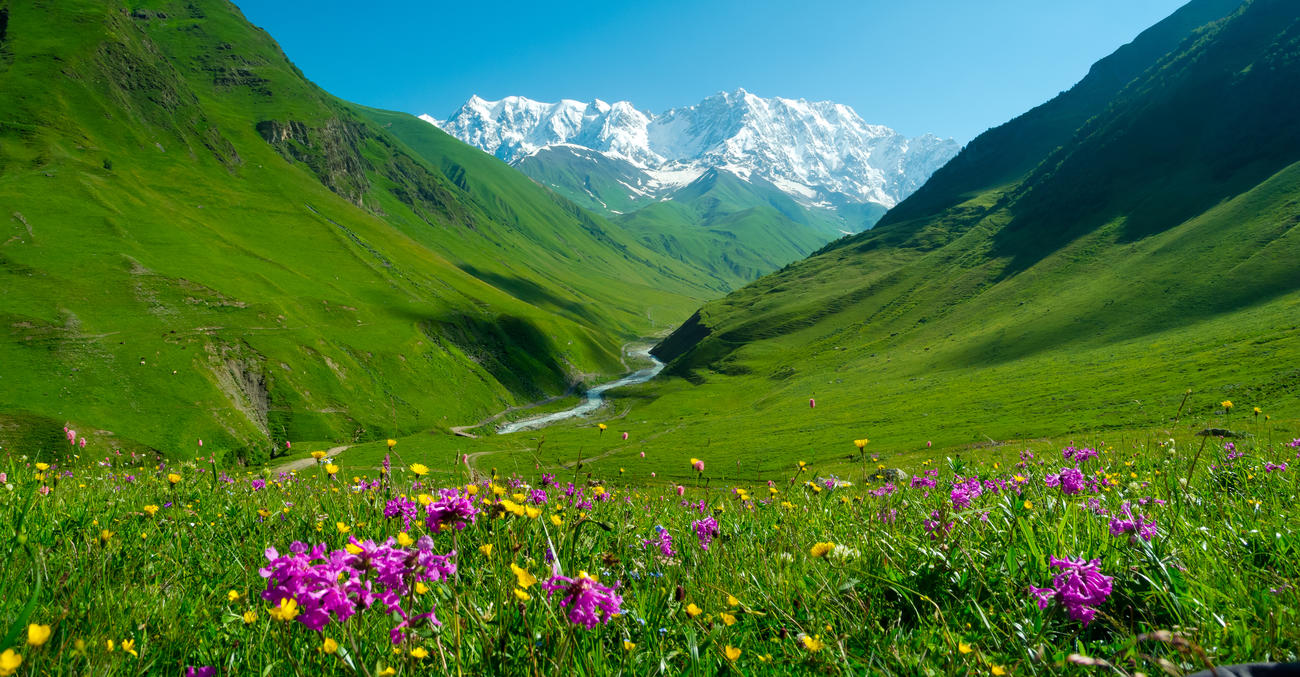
(818, 153)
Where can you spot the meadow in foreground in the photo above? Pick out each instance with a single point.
(1156, 558)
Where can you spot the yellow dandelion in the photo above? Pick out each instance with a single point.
(820, 549)
(329, 646)
(419, 469)
(37, 634)
(731, 652)
(692, 610)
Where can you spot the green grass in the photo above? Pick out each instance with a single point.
(199, 243)
(896, 596)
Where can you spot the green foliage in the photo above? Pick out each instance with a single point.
(888, 579)
(199, 243)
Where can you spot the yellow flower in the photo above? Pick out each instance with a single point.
(318, 455)
(727, 618)
(104, 536)
(486, 549)
(820, 549)
(330, 646)
(287, 611)
(471, 489)
(522, 596)
(42, 466)
(999, 670)
(151, 510)
(732, 652)
(392, 443)
(353, 549)
(1029, 505)
(732, 601)
(110, 646)
(9, 662)
(512, 507)
(342, 527)
(264, 512)
(525, 579)
(421, 588)
(232, 595)
(331, 468)
(628, 646)
(420, 652)
(37, 634)
(419, 469)
(602, 427)
(387, 672)
(128, 645)
(692, 610)
(963, 647)
(1258, 411)
(532, 512)
(1227, 404)
(813, 643)
(249, 616)
(860, 443)
(173, 478)
(555, 519)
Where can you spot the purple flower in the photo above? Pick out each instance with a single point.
(887, 489)
(1069, 479)
(538, 497)
(665, 542)
(404, 508)
(205, 671)
(936, 527)
(258, 484)
(454, 510)
(589, 603)
(965, 491)
(1268, 467)
(1078, 455)
(1127, 523)
(1080, 587)
(706, 530)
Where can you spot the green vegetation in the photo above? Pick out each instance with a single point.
(130, 568)
(197, 243)
(1153, 253)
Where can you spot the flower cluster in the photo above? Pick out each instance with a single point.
(455, 510)
(314, 585)
(588, 602)
(706, 530)
(1070, 480)
(1080, 587)
(1078, 455)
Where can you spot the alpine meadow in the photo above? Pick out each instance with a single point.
(292, 385)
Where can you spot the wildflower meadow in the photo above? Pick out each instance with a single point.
(1161, 557)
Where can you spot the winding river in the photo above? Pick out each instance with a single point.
(591, 401)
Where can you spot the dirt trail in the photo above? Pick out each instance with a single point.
(304, 463)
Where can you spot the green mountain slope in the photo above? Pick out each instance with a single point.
(1151, 251)
(199, 243)
(736, 230)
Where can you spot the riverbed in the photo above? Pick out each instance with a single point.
(591, 401)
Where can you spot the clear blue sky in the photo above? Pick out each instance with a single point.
(951, 67)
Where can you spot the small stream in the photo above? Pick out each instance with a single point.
(591, 401)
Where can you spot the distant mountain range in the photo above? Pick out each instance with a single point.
(822, 154)
(738, 184)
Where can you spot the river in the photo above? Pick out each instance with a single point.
(591, 401)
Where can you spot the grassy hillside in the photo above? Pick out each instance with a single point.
(1152, 253)
(199, 243)
(735, 230)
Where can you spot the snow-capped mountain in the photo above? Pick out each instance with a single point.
(822, 154)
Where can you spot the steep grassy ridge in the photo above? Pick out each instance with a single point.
(198, 242)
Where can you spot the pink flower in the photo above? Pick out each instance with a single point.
(680, 490)
(812, 403)
(83, 443)
(200, 442)
(652, 474)
(287, 445)
(698, 465)
(643, 454)
(625, 436)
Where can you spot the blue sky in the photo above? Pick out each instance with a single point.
(950, 67)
